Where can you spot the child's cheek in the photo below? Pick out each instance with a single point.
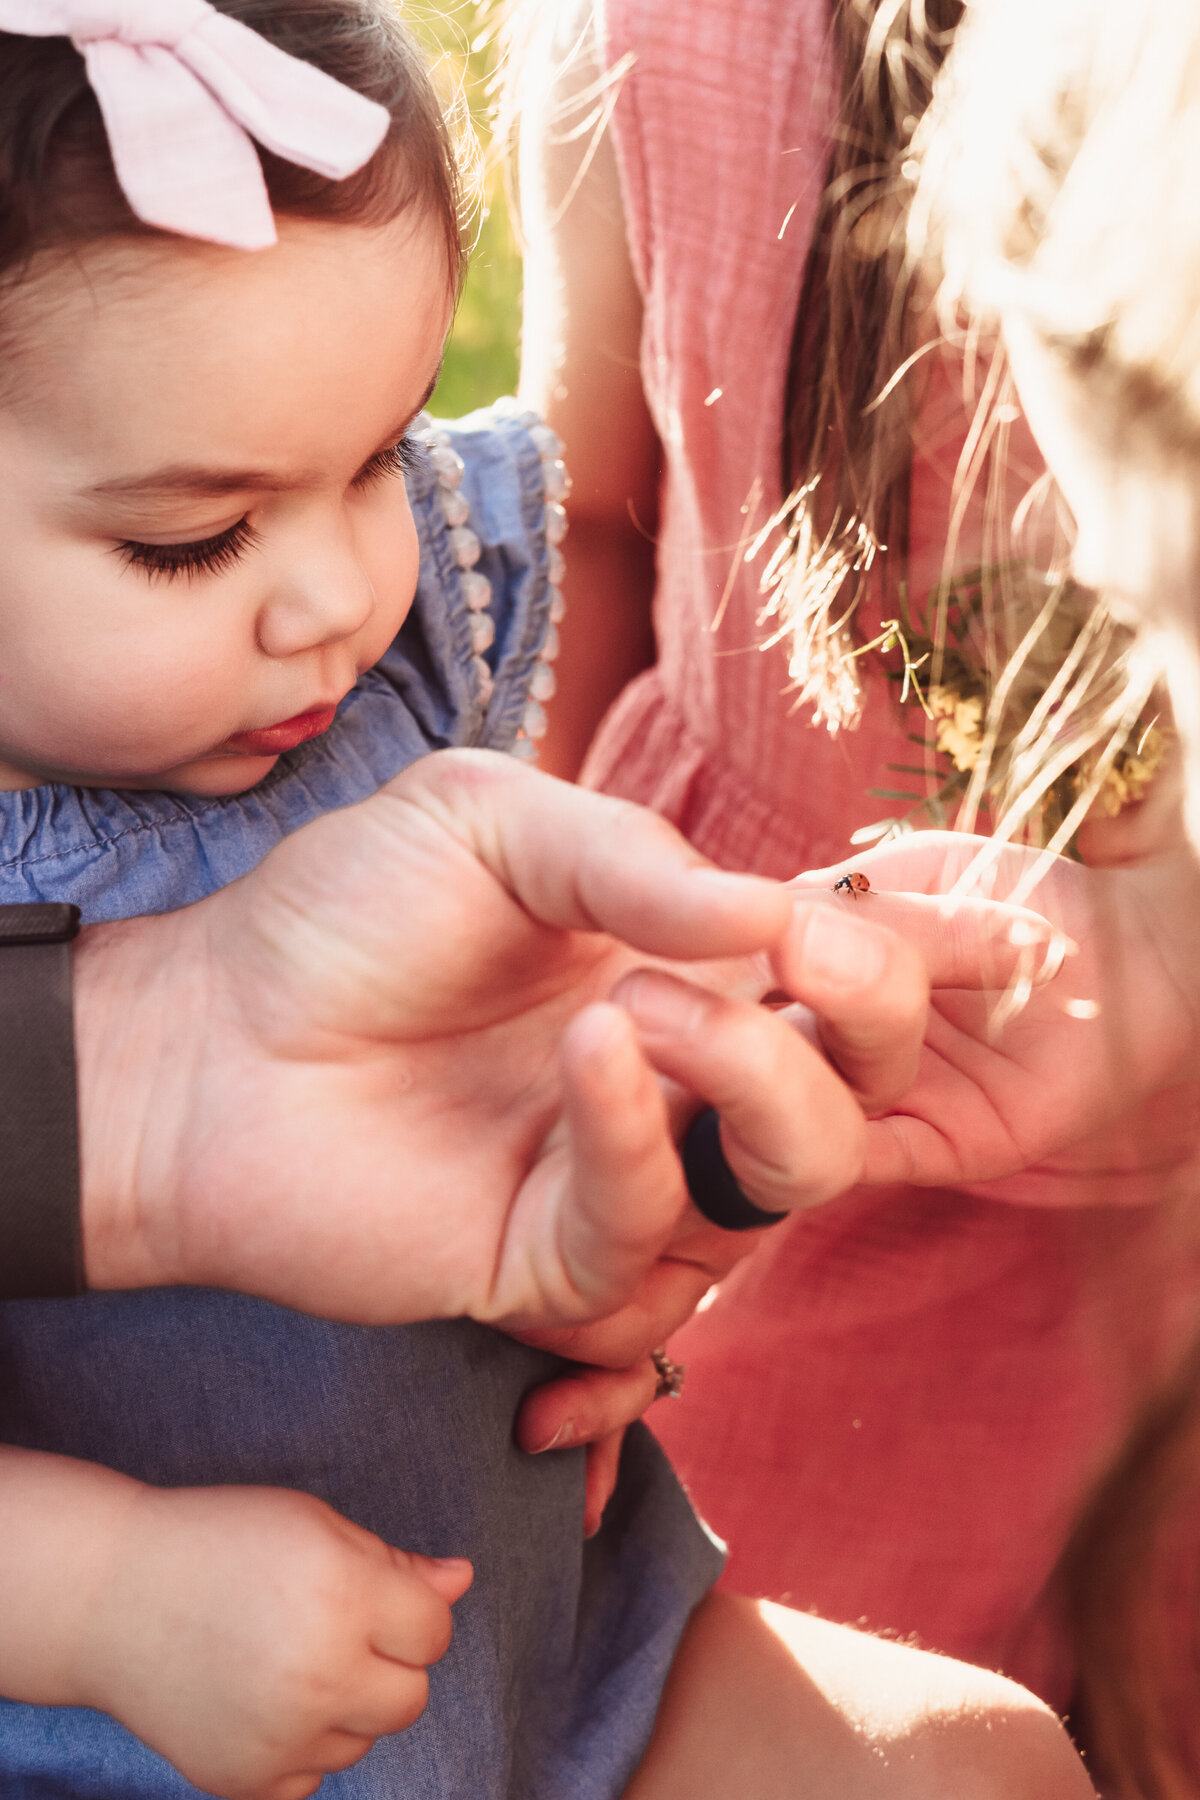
(391, 556)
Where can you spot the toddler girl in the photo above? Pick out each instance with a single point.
(208, 552)
(223, 615)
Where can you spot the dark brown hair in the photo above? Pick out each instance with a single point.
(850, 336)
(847, 442)
(57, 185)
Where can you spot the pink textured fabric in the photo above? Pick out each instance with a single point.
(182, 88)
(896, 1409)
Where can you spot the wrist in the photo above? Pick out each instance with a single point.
(139, 999)
(62, 1523)
(1166, 895)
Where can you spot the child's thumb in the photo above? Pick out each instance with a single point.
(448, 1576)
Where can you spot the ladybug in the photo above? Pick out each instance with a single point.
(854, 885)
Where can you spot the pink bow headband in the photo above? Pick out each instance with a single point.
(182, 89)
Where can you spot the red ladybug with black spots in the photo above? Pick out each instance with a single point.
(854, 885)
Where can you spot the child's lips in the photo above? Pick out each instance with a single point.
(273, 740)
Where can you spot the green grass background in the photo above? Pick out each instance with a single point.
(481, 357)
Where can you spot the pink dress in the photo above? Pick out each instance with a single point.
(897, 1407)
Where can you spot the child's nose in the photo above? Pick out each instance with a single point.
(322, 602)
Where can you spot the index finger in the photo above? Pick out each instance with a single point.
(963, 942)
(587, 862)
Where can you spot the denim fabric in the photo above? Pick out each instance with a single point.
(120, 853)
(560, 1648)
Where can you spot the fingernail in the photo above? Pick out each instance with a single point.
(1056, 954)
(658, 1004)
(599, 1031)
(450, 1562)
(562, 1437)
(840, 950)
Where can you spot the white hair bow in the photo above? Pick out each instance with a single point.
(183, 88)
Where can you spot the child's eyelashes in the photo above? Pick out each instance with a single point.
(207, 556)
(396, 459)
(213, 555)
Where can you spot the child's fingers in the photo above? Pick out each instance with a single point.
(335, 1750)
(448, 1576)
(387, 1696)
(412, 1622)
(792, 1131)
(412, 1629)
(586, 861)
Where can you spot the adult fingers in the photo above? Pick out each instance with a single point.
(961, 942)
(667, 1296)
(617, 1191)
(588, 862)
(868, 990)
(934, 862)
(791, 1130)
(950, 895)
(867, 979)
(585, 1406)
(601, 1468)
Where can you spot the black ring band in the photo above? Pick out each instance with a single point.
(711, 1181)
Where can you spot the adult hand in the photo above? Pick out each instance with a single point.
(1085, 1091)
(616, 1380)
(367, 1081)
(866, 986)
(1080, 1091)
(377, 1078)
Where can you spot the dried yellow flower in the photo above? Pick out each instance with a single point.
(958, 725)
(1131, 774)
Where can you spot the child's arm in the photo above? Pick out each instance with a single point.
(765, 1702)
(580, 367)
(252, 1636)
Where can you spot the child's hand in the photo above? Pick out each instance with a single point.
(258, 1640)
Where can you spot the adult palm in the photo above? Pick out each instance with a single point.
(367, 1081)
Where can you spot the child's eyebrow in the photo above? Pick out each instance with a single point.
(193, 478)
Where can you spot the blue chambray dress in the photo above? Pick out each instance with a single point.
(560, 1647)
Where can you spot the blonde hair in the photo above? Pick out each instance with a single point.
(1058, 178)
(1058, 186)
